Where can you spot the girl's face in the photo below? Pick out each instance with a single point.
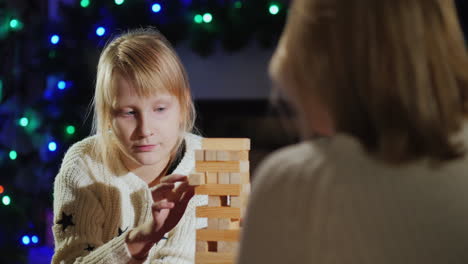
(147, 127)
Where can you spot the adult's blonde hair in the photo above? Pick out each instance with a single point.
(392, 73)
(146, 59)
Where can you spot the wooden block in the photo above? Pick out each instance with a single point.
(222, 166)
(201, 246)
(225, 246)
(218, 200)
(210, 155)
(226, 155)
(235, 202)
(219, 189)
(245, 189)
(218, 212)
(245, 178)
(217, 235)
(214, 258)
(211, 177)
(226, 143)
(214, 201)
(196, 179)
(238, 201)
(239, 178)
(213, 223)
(240, 155)
(223, 178)
(229, 224)
(222, 155)
(234, 178)
(199, 154)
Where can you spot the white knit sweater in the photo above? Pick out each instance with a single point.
(329, 202)
(94, 209)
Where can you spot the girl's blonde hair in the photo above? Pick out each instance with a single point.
(392, 73)
(146, 59)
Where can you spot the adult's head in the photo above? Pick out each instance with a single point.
(391, 73)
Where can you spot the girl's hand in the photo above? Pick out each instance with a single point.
(169, 204)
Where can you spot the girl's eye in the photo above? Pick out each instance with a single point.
(129, 113)
(160, 109)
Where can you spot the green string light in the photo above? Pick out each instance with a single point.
(70, 130)
(6, 200)
(13, 155)
(24, 121)
(274, 9)
(119, 2)
(198, 19)
(14, 23)
(34, 120)
(84, 3)
(238, 4)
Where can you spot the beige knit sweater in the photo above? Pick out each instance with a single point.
(94, 209)
(328, 202)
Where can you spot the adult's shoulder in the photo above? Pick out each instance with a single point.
(291, 163)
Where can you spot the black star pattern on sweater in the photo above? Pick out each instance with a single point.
(122, 231)
(90, 248)
(66, 221)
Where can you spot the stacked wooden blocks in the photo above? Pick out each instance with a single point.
(222, 173)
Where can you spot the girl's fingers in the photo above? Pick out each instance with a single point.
(158, 206)
(162, 190)
(187, 195)
(183, 187)
(163, 187)
(168, 191)
(181, 190)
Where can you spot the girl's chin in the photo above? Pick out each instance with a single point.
(146, 158)
(147, 161)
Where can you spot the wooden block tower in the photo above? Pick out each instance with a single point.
(222, 173)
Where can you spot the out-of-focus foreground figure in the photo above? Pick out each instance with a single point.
(386, 83)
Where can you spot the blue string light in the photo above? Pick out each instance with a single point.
(100, 31)
(61, 85)
(25, 240)
(156, 8)
(55, 39)
(35, 239)
(52, 146)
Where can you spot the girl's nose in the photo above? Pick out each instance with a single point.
(145, 129)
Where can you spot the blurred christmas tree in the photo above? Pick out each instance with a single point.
(49, 53)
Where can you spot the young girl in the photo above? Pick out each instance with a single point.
(113, 202)
(386, 82)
